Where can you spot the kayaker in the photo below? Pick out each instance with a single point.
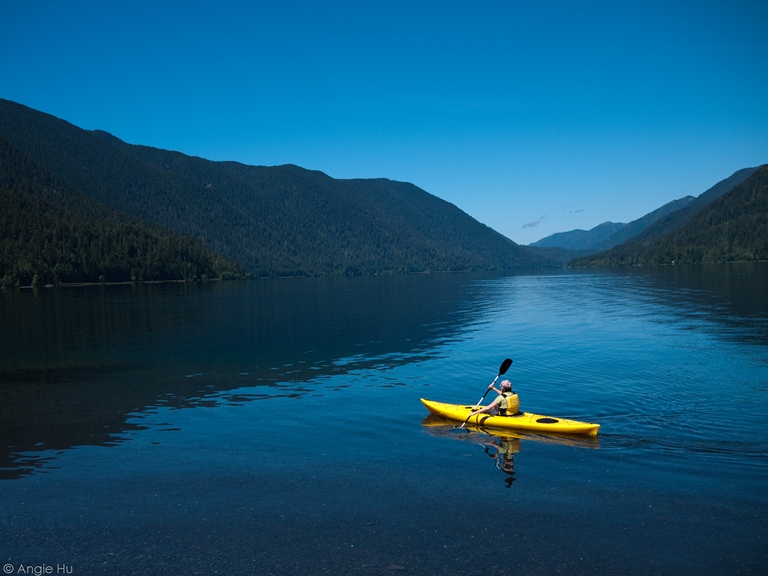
(507, 403)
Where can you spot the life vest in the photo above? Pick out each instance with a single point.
(509, 405)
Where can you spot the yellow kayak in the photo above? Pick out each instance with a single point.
(524, 421)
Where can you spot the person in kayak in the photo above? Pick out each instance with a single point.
(506, 403)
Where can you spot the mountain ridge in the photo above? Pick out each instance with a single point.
(580, 239)
(235, 219)
(653, 224)
(731, 226)
(273, 221)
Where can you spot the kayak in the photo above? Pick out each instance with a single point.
(525, 421)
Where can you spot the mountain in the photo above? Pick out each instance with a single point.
(678, 218)
(51, 234)
(731, 227)
(609, 234)
(272, 221)
(580, 239)
(662, 220)
(637, 226)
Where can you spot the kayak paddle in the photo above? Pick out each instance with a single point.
(502, 370)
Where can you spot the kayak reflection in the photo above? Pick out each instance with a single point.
(503, 449)
(501, 446)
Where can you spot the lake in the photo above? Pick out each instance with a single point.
(275, 427)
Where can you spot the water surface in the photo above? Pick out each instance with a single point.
(274, 427)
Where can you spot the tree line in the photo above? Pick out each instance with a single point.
(48, 242)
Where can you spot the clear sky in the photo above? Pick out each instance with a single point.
(534, 117)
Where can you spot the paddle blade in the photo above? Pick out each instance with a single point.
(505, 366)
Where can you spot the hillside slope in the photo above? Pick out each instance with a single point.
(580, 239)
(51, 234)
(281, 220)
(637, 226)
(732, 227)
(678, 218)
(654, 224)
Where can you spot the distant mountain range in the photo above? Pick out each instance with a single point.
(667, 218)
(255, 220)
(725, 224)
(586, 240)
(84, 206)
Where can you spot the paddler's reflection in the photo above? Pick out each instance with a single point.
(503, 449)
(500, 446)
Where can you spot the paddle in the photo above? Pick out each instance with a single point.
(502, 370)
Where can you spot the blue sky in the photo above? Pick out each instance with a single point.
(532, 117)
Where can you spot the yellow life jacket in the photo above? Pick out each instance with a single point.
(509, 405)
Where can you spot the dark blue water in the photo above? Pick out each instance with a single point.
(275, 427)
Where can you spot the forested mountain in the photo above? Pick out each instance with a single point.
(654, 224)
(580, 239)
(49, 233)
(662, 220)
(273, 221)
(732, 227)
(678, 218)
(637, 226)
(610, 234)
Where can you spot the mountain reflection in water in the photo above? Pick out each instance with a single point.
(76, 362)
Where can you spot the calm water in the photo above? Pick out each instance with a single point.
(275, 427)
